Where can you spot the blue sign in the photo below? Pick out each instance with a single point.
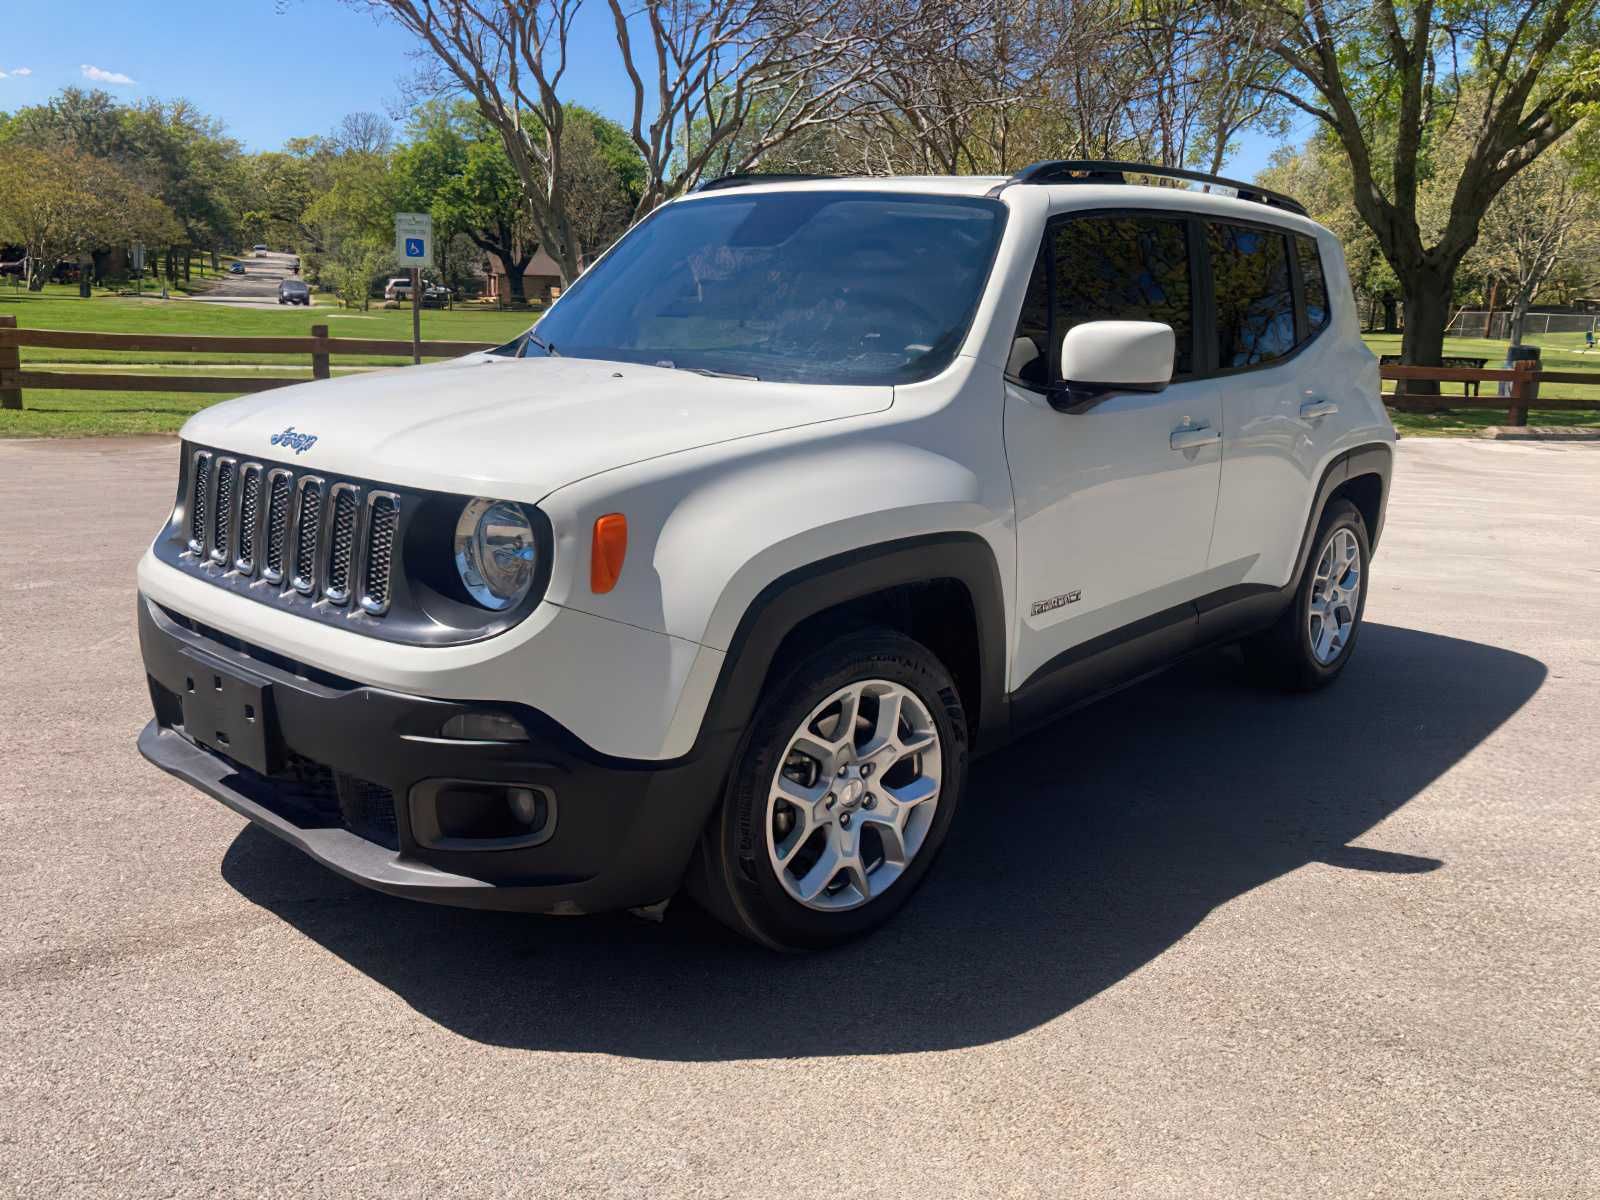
(414, 248)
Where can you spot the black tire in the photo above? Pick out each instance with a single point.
(1282, 655)
(733, 876)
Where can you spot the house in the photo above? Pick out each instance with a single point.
(541, 280)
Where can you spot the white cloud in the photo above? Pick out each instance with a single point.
(23, 71)
(102, 76)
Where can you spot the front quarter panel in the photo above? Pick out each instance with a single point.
(708, 530)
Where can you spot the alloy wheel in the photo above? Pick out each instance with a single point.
(854, 796)
(1335, 597)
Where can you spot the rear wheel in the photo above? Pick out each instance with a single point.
(1312, 641)
(841, 797)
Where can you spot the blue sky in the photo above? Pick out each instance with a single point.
(272, 70)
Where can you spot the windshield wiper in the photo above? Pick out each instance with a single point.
(708, 372)
(543, 345)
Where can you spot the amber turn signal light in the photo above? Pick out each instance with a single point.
(606, 554)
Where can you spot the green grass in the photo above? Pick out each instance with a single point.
(60, 308)
(53, 413)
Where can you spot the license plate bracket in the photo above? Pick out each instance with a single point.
(230, 712)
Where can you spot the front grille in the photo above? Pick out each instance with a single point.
(253, 525)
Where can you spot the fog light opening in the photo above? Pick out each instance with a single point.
(464, 814)
(483, 727)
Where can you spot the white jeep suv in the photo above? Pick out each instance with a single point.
(806, 492)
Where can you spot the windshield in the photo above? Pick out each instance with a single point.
(813, 287)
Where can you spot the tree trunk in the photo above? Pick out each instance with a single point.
(1427, 296)
(1391, 321)
(1519, 313)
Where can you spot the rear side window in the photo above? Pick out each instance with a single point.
(1252, 294)
(1132, 267)
(1313, 285)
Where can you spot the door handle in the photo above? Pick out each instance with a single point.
(1190, 439)
(1312, 409)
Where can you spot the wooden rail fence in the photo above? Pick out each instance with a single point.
(319, 348)
(1524, 378)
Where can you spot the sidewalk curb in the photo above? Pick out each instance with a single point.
(1540, 433)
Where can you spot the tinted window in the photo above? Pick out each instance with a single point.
(827, 287)
(1128, 268)
(1253, 297)
(1132, 268)
(1030, 351)
(1314, 288)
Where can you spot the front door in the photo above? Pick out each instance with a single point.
(1115, 505)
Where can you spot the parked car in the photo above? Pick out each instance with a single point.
(259, 250)
(398, 288)
(236, 268)
(293, 291)
(803, 495)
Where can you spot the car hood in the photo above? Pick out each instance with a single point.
(513, 428)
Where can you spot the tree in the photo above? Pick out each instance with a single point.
(62, 205)
(454, 167)
(1545, 215)
(690, 63)
(1385, 77)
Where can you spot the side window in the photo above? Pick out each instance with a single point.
(1314, 287)
(1127, 268)
(1130, 268)
(1251, 292)
(1030, 349)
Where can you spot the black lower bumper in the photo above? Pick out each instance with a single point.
(337, 769)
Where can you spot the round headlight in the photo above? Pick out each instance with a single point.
(495, 552)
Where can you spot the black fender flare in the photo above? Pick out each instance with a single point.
(1376, 458)
(783, 604)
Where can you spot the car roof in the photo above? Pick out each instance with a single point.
(1081, 194)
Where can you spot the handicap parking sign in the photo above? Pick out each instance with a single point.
(413, 239)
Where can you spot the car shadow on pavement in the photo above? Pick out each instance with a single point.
(1080, 854)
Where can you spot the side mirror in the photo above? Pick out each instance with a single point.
(1101, 358)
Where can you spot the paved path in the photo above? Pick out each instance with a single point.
(256, 287)
(1196, 942)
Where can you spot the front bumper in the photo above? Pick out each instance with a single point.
(345, 762)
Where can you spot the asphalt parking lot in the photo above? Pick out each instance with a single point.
(1197, 941)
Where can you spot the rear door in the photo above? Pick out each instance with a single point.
(1114, 505)
(1284, 381)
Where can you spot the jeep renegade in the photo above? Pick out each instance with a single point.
(806, 492)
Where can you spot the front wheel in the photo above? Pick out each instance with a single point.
(842, 794)
(1312, 641)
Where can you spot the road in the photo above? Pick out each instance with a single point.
(1198, 941)
(256, 287)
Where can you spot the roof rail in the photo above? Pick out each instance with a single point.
(752, 178)
(1073, 170)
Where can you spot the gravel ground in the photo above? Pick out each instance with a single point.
(1197, 941)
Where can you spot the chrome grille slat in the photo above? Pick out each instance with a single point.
(383, 522)
(280, 494)
(249, 518)
(307, 533)
(222, 511)
(199, 499)
(343, 509)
